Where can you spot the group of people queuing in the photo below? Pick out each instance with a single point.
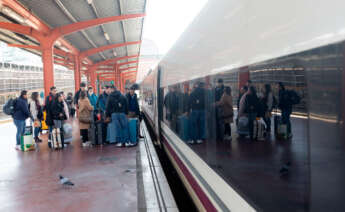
(210, 110)
(111, 103)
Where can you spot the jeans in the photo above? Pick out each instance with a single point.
(119, 131)
(37, 131)
(198, 125)
(286, 120)
(251, 118)
(20, 124)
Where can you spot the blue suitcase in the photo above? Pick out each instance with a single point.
(133, 133)
(183, 128)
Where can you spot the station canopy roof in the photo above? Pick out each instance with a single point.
(55, 13)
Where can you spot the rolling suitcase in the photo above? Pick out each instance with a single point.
(96, 130)
(27, 142)
(243, 126)
(280, 129)
(183, 128)
(56, 142)
(259, 130)
(67, 128)
(133, 132)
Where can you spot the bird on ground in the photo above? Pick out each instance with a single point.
(65, 181)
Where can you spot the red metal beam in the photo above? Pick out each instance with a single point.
(75, 27)
(129, 72)
(35, 22)
(103, 48)
(38, 48)
(127, 63)
(112, 60)
(128, 68)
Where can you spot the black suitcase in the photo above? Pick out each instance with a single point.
(96, 130)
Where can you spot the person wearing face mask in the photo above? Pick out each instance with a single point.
(92, 97)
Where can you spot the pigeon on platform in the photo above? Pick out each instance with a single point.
(65, 181)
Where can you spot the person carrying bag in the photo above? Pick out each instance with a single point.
(84, 117)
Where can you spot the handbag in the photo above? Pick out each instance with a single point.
(37, 123)
(84, 118)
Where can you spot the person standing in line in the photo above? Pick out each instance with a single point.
(65, 105)
(37, 114)
(285, 105)
(59, 115)
(219, 90)
(21, 113)
(47, 107)
(116, 110)
(171, 107)
(268, 106)
(70, 104)
(133, 105)
(227, 111)
(243, 90)
(197, 115)
(251, 109)
(102, 99)
(77, 95)
(85, 109)
(92, 97)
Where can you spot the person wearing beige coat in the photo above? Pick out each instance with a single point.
(84, 110)
(227, 115)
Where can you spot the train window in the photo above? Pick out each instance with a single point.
(234, 132)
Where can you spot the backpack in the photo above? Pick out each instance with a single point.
(294, 98)
(10, 106)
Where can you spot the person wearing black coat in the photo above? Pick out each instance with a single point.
(59, 115)
(77, 94)
(252, 108)
(21, 113)
(198, 114)
(133, 105)
(171, 107)
(47, 107)
(116, 110)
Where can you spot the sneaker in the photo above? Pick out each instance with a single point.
(84, 144)
(199, 141)
(190, 142)
(17, 147)
(119, 145)
(128, 144)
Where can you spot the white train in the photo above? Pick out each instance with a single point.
(299, 43)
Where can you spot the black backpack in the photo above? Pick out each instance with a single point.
(294, 98)
(10, 106)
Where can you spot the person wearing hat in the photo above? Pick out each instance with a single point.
(77, 95)
(197, 115)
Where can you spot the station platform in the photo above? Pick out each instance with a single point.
(106, 178)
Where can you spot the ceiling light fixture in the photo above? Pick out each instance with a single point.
(89, 1)
(65, 49)
(106, 36)
(8, 11)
